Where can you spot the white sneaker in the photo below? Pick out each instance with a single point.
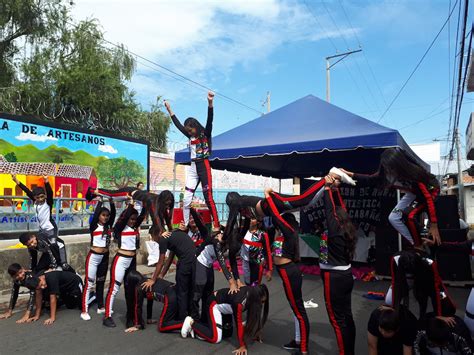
(187, 327)
(310, 304)
(101, 311)
(344, 177)
(85, 316)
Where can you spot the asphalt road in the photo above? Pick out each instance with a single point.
(71, 335)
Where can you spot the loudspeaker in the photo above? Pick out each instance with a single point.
(454, 263)
(447, 212)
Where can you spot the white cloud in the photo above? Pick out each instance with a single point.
(107, 148)
(202, 39)
(34, 137)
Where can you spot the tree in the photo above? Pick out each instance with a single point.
(120, 172)
(72, 77)
(11, 157)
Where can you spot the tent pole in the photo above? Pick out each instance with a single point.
(399, 235)
(174, 178)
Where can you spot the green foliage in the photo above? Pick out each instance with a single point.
(69, 68)
(120, 172)
(11, 157)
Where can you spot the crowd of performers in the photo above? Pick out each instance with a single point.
(263, 231)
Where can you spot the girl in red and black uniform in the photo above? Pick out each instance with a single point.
(97, 260)
(127, 235)
(159, 206)
(285, 257)
(161, 291)
(421, 188)
(337, 249)
(200, 146)
(425, 280)
(253, 300)
(256, 254)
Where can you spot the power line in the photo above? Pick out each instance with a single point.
(341, 34)
(314, 16)
(417, 65)
(177, 76)
(460, 89)
(363, 53)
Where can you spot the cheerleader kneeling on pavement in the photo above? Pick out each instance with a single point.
(253, 300)
(162, 291)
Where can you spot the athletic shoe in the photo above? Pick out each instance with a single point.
(344, 177)
(186, 328)
(310, 304)
(102, 311)
(109, 322)
(292, 345)
(85, 316)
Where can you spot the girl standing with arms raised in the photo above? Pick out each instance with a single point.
(97, 260)
(200, 170)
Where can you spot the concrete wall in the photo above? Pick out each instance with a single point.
(76, 253)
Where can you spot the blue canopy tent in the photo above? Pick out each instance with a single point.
(304, 138)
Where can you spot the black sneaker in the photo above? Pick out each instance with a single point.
(109, 322)
(292, 345)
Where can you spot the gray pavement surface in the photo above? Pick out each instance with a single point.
(71, 335)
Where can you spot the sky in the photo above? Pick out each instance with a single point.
(245, 48)
(19, 134)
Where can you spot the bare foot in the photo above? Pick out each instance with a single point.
(151, 321)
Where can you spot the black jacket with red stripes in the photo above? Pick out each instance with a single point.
(425, 193)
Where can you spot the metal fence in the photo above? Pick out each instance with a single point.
(17, 213)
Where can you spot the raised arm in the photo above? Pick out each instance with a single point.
(23, 187)
(49, 192)
(113, 213)
(267, 251)
(123, 219)
(175, 120)
(141, 217)
(334, 227)
(95, 217)
(210, 113)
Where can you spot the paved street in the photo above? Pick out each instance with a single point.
(73, 336)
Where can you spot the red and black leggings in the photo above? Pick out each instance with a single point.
(167, 321)
(292, 283)
(199, 172)
(338, 285)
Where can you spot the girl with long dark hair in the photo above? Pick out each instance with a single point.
(421, 188)
(415, 269)
(159, 206)
(253, 300)
(199, 172)
(336, 252)
(162, 291)
(127, 236)
(97, 260)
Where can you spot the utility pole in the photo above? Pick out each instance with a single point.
(267, 101)
(329, 66)
(460, 177)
